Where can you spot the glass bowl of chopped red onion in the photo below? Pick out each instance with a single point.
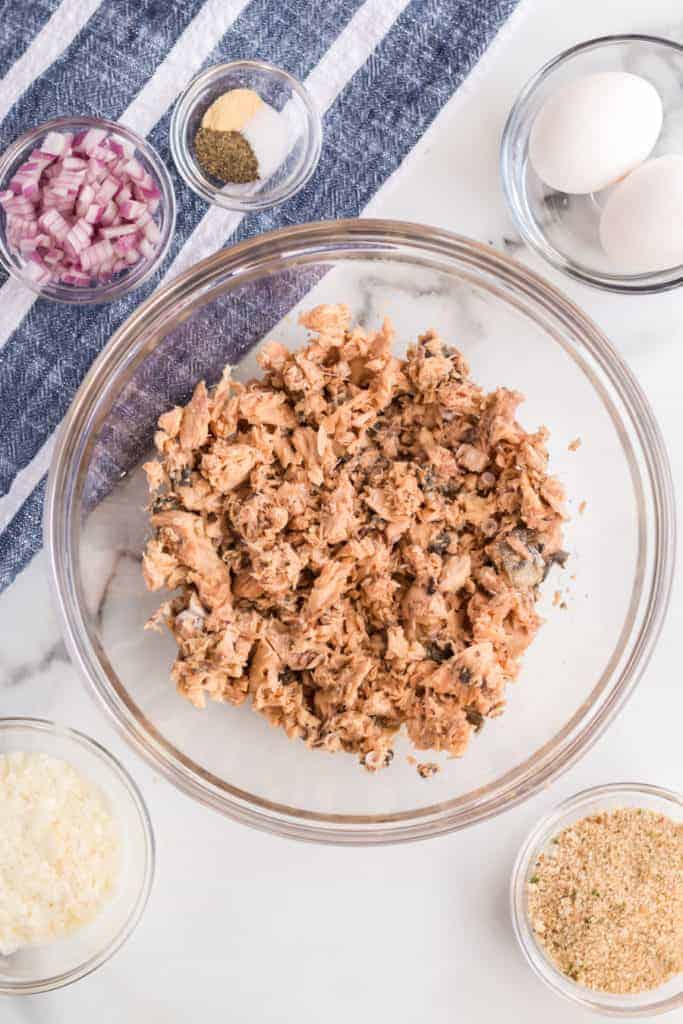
(87, 210)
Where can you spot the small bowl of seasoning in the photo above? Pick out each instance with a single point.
(77, 855)
(597, 899)
(245, 135)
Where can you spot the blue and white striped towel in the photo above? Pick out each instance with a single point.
(379, 69)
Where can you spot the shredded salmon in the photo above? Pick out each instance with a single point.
(358, 541)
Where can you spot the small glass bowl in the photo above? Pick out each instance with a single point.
(65, 960)
(126, 280)
(283, 92)
(564, 228)
(590, 801)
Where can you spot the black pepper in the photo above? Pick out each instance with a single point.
(226, 156)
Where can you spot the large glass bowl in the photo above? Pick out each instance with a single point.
(516, 330)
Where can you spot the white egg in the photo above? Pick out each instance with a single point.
(594, 130)
(641, 227)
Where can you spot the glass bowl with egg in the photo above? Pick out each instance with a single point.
(245, 135)
(592, 163)
(581, 860)
(79, 864)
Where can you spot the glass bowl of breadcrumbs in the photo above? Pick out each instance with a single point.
(597, 899)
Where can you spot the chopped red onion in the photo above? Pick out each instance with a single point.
(130, 209)
(68, 179)
(53, 256)
(54, 143)
(94, 213)
(73, 276)
(108, 189)
(119, 230)
(55, 225)
(26, 185)
(27, 245)
(97, 255)
(103, 153)
(110, 215)
(23, 227)
(143, 218)
(78, 239)
(124, 244)
(19, 206)
(97, 169)
(85, 198)
(41, 156)
(146, 248)
(81, 209)
(90, 140)
(152, 233)
(121, 146)
(134, 169)
(63, 204)
(74, 163)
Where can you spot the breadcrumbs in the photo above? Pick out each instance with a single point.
(582, 507)
(428, 769)
(606, 902)
(574, 445)
(358, 541)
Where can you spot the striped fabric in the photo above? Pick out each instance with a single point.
(380, 70)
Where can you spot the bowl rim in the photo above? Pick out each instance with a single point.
(46, 726)
(544, 829)
(650, 283)
(141, 272)
(199, 183)
(315, 241)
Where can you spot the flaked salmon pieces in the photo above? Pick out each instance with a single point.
(358, 541)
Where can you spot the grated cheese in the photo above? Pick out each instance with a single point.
(59, 850)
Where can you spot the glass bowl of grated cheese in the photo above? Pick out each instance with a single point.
(79, 860)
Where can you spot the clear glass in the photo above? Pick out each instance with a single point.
(283, 92)
(564, 228)
(127, 280)
(590, 801)
(53, 965)
(515, 330)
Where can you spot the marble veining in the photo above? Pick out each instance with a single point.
(26, 670)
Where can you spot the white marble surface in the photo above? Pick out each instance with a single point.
(247, 927)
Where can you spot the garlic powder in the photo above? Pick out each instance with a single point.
(232, 111)
(59, 850)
